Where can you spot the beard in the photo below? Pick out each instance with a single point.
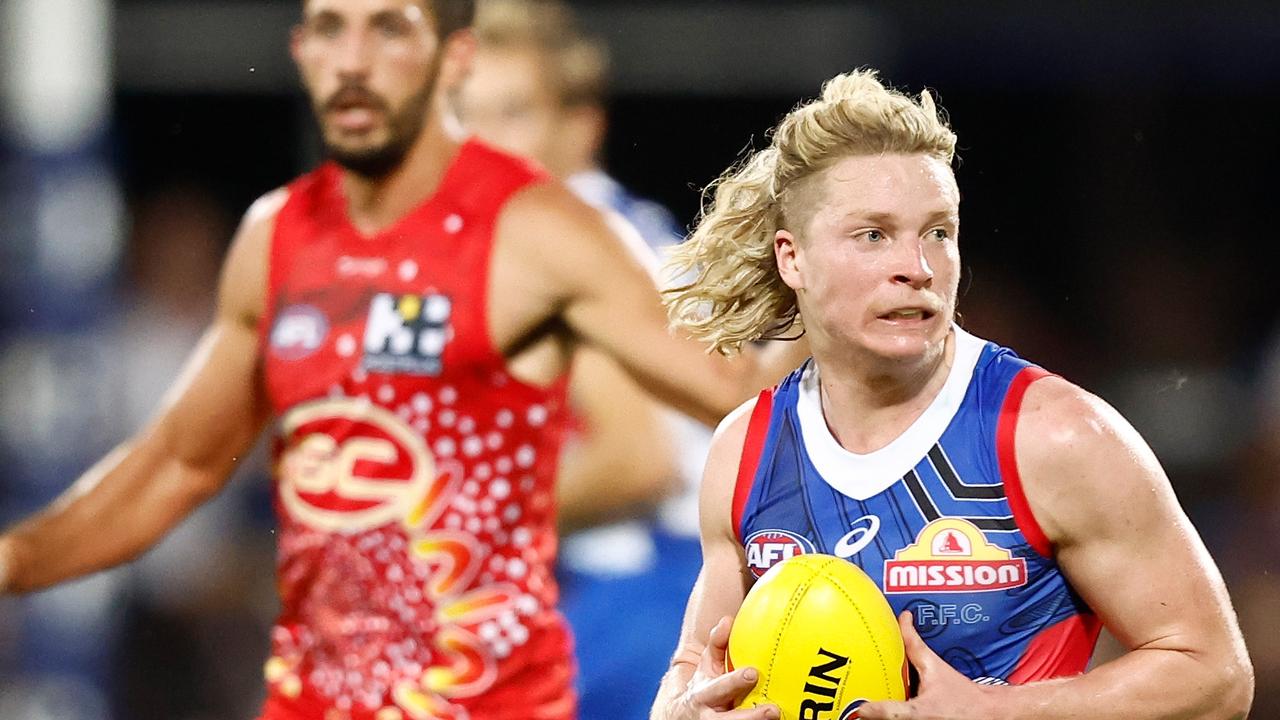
(404, 126)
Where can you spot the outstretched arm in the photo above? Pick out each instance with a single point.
(1127, 548)
(572, 261)
(127, 501)
(697, 686)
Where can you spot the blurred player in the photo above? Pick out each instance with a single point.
(537, 88)
(405, 314)
(1009, 511)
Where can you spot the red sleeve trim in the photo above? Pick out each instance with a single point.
(1006, 455)
(752, 449)
(1061, 650)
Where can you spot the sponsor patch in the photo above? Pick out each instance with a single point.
(952, 555)
(766, 548)
(299, 330)
(406, 334)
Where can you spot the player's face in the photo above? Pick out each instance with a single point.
(507, 101)
(370, 67)
(876, 266)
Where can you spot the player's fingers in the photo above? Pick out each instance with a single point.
(726, 691)
(713, 655)
(759, 712)
(918, 653)
(885, 711)
(720, 634)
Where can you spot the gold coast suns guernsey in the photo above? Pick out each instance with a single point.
(414, 474)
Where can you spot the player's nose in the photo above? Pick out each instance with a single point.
(352, 54)
(911, 265)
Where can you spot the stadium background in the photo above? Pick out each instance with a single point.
(1117, 161)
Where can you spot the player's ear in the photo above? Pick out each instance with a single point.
(458, 52)
(785, 253)
(587, 123)
(296, 34)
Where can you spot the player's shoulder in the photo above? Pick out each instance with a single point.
(253, 237)
(1059, 416)
(265, 210)
(720, 479)
(548, 203)
(551, 227)
(1081, 462)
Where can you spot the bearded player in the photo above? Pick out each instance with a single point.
(404, 315)
(1005, 513)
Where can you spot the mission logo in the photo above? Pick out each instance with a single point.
(952, 555)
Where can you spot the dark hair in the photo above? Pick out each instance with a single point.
(452, 15)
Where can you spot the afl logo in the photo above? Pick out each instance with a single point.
(350, 466)
(767, 548)
(299, 331)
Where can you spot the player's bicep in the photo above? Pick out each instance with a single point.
(215, 409)
(723, 583)
(1120, 535)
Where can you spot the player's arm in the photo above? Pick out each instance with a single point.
(1121, 538)
(696, 685)
(625, 458)
(603, 292)
(208, 420)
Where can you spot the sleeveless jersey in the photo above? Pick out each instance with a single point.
(937, 518)
(414, 474)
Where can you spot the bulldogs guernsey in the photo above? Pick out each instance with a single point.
(414, 475)
(937, 517)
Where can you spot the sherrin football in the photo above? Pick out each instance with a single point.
(822, 637)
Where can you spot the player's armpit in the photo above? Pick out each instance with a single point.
(207, 421)
(1125, 544)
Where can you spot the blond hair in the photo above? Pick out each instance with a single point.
(578, 65)
(736, 295)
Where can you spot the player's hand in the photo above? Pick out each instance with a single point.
(944, 694)
(713, 693)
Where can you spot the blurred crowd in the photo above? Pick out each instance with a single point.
(1152, 293)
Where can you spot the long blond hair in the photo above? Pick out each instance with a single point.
(736, 295)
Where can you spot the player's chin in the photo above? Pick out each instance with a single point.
(903, 345)
(355, 143)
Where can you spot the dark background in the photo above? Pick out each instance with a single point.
(1117, 164)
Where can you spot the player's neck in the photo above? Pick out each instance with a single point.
(867, 405)
(373, 204)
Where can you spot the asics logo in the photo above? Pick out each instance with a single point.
(856, 540)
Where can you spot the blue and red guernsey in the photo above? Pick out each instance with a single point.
(937, 517)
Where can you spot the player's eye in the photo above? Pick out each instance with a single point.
(939, 234)
(326, 25)
(391, 26)
(874, 236)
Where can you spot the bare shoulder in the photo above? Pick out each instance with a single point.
(243, 285)
(1082, 463)
(720, 478)
(549, 223)
(545, 205)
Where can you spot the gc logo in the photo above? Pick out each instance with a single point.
(350, 466)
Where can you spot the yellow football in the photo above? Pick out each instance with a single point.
(823, 638)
